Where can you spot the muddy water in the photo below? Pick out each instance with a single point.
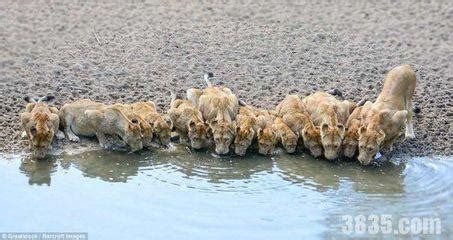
(173, 193)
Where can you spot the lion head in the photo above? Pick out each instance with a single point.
(267, 139)
(351, 139)
(133, 134)
(369, 143)
(162, 129)
(223, 134)
(40, 124)
(289, 141)
(198, 134)
(312, 139)
(331, 138)
(244, 137)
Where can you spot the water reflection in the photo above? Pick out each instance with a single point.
(106, 165)
(324, 176)
(38, 172)
(224, 173)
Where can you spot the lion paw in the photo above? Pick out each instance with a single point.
(409, 136)
(74, 138)
(59, 135)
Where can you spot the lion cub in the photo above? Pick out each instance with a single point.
(383, 121)
(161, 125)
(266, 134)
(246, 130)
(40, 124)
(329, 114)
(89, 118)
(146, 128)
(286, 136)
(351, 137)
(295, 115)
(219, 107)
(188, 123)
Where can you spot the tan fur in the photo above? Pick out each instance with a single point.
(40, 123)
(266, 135)
(188, 123)
(285, 135)
(329, 114)
(219, 107)
(351, 138)
(161, 124)
(246, 130)
(392, 109)
(295, 115)
(145, 127)
(89, 118)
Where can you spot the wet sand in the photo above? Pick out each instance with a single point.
(262, 51)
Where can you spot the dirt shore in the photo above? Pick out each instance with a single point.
(262, 51)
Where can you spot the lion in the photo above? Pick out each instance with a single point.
(40, 124)
(219, 107)
(330, 115)
(351, 137)
(246, 130)
(188, 123)
(286, 136)
(295, 115)
(89, 118)
(266, 134)
(386, 117)
(145, 126)
(161, 124)
(311, 136)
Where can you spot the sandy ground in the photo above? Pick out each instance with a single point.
(262, 51)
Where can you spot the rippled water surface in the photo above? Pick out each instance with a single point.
(173, 194)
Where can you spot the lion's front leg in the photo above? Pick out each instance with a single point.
(184, 139)
(102, 140)
(66, 120)
(387, 146)
(117, 141)
(56, 124)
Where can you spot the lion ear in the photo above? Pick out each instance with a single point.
(168, 121)
(233, 126)
(151, 104)
(213, 122)
(351, 105)
(400, 117)
(209, 132)
(324, 128)
(381, 137)
(33, 131)
(259, 131)
(342, 129)
(362, 131)
(385, 114)
(25, 119)
(191, 124)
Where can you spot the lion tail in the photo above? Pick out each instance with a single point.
(207, 78)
